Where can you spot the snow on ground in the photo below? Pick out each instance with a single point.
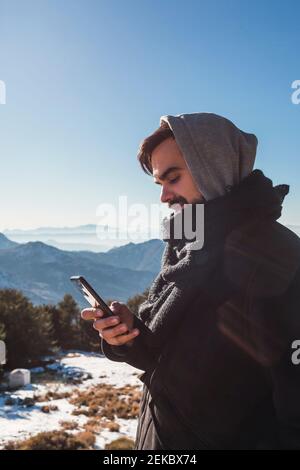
(116, 373)
(127, 428)
(18, 422)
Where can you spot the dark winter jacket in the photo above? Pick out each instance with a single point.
(224, 377)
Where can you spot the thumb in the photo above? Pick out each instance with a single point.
(116, 306)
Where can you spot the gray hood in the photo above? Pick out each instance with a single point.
(217, 153)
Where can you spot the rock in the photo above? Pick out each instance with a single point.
(19, 378)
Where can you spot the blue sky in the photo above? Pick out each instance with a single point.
(87, 80)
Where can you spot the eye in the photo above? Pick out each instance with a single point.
(174, 180)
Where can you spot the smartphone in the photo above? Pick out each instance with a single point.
(91, 295)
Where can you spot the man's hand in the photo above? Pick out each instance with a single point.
(116, 330)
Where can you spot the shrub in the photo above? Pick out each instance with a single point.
(107, 401)
(55, 440)
(122, 443)
(20, 321)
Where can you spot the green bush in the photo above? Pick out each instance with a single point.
(32, 331)
(27, 329)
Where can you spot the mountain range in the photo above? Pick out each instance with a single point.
(42, 272)
(91, 237)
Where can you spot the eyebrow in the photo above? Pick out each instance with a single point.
(167, 172)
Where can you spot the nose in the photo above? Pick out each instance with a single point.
(166, 195)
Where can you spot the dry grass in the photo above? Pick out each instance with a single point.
(55, 440)
(79, 412)
(108, 401)
(101, 403)
(51, 395)
(93, 422)
(95, 425)
(111, 426)
(123, 443)
(68, 425)
(47, 409)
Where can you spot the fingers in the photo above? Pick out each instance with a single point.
(110, 328)
(117, 307)
(105, 323)
(91, 313)
(111, 333)
(123, 339)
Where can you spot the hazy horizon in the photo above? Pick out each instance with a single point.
(81, 241)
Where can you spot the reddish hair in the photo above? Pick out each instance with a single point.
(150, 143)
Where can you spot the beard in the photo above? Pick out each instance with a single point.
(185, 214)
(178, 203)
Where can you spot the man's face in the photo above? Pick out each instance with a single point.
(169, 169)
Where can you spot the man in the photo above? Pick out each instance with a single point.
(215, 334)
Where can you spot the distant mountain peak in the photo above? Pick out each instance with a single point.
(6, 242)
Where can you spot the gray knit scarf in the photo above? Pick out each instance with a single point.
(186, 274)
